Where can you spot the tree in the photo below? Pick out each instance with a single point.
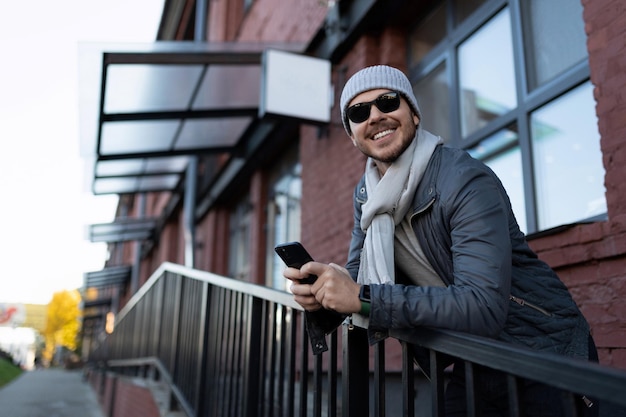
(62, 322)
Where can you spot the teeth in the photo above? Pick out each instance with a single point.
(383, 133)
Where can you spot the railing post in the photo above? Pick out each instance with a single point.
(408, 382)
(201, 402)
(304, 369)
(379, 379)
(251, 390)
(176, 322)
(112, 398)
(355, 398)
(437, 384)
(332, 376)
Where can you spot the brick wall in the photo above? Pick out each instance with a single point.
(329, 178)
(332, 165)
(132, 400)
(212, 241)
(277, 20)
(266, 20)
(605, 23)
(123, 397)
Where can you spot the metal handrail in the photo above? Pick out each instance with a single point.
(221, 343)
(559, 371)
(575, 377)
(259, 291)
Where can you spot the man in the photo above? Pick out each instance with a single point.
(438, 225)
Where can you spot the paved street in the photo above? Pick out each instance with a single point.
(49, 393)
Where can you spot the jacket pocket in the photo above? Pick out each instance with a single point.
(525, 303)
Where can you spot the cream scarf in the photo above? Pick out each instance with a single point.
(389, 199)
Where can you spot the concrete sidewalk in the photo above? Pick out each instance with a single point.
(49, 393)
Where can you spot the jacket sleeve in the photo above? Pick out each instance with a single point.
(467, 232)
(358, 236)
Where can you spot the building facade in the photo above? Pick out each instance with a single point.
(535, 89)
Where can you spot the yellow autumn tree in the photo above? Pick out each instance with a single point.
(62, 323)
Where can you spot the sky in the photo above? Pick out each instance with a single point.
(46, 205)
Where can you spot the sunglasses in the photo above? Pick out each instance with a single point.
(386, 103)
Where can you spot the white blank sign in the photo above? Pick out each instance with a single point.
(295, 85)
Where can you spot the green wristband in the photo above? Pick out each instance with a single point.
(365, 308)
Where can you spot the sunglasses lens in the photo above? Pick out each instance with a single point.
(359, 112)
(386, 103)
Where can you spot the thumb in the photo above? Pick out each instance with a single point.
(339, 268)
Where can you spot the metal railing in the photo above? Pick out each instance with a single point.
(576, 378)
(230, 348)
(225, 347)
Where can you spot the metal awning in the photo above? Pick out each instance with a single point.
(113, 275)
(122, 229)
(145, 109)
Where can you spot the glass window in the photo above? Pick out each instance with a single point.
(464, 8)
(239, 254)
(502, 154)
(544, 147)
(569, 174)
(434, 27)
(428, 33)
(432, 94)
(487, 74)
(283, 214)
(555, 38)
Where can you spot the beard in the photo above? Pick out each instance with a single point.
(393, 154)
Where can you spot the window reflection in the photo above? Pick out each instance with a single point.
(433, 29)
(283, 214)
(555, 37)
(239, 231)
(428, 33)
(501, 152)
(487, 74)
(464, 8)
(569, 174)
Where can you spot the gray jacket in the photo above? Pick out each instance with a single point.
(495, 284)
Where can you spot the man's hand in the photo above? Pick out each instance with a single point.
(301, 292)
(333, 290)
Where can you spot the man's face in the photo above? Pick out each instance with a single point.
(383, 136)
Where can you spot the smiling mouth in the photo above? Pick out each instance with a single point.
(383, 133)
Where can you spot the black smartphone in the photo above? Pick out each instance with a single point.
(294, 255)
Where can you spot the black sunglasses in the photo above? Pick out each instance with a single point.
(386, 103)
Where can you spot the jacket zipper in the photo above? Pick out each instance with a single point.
(523, 302)
(423, 209)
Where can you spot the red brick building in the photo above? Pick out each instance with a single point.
(536, 89)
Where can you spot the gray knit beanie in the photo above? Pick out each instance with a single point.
(371, 78)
